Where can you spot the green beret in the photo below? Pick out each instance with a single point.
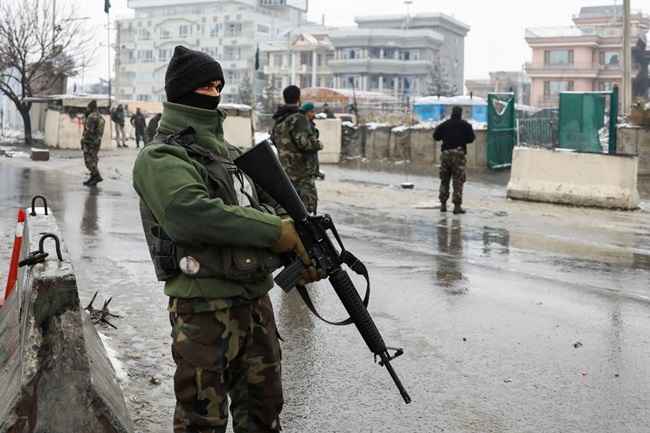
(306, 107)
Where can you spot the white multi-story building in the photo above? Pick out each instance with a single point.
(229, 30)
(400, 56)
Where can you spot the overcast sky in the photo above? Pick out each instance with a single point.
(495, 41)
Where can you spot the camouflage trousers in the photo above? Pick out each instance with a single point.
(223, 351)
(308, 194)
(91, 158)
(452, 167)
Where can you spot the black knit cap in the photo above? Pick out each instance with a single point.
(188, 70)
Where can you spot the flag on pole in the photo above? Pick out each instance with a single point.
(107, 5)
(257, 58)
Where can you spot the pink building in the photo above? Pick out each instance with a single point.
(585, 57)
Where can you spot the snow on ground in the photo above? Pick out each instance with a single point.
(118, 366)
(261, 136)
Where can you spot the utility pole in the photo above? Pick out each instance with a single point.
(108, 55)
(53, 23)
(627, 59)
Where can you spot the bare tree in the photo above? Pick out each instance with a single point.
(39, 48)
(246, 93)
(438, 83)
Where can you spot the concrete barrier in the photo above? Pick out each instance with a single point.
(55, 375)
(388, 147)
(634, 140)
(330, 136)
(63, 131)
(578, 179)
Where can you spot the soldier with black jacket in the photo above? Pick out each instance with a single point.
(455, 134)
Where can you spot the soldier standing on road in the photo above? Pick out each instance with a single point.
(211, 239)
(152, 128)
(455, 134)
(118, 116)
(91, 141)
(308, 110)
(297, 147)
(328, 111)
(139, 123)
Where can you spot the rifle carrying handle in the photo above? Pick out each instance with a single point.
(290, 275)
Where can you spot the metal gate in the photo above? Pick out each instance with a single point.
(502, 130)
(588, 122)
(538, 131)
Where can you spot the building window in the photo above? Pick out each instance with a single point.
(144, 34)
(554, 88)
(130, 56)
(391, 53)
(610, 58)
(233, 30)
(164, 34)
(232, 53)
(405, 55)
(143, 97)
(350, 53)
(163, 55)
(184, 30)
(305, 59)
(277, 60)
(263, 29)
(558, 57)
(145, 56)
(232, 76)
(606, 86)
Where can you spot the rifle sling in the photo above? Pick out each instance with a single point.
(359, 268)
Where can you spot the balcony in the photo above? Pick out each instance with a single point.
(586, 70)
(379, 66)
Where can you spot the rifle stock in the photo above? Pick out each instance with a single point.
(262, 165)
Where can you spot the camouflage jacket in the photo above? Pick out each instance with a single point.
(296, 142)
(93, 129)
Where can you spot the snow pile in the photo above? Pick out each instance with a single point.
(238, 107)
(450, 100)
(375, 125)
(118, 366)
(478, 126)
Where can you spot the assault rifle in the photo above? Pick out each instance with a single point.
(262, 165)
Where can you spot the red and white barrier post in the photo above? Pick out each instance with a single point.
(15, 257)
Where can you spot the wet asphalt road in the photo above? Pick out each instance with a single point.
(488, 307)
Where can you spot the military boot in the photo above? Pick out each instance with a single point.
(443, 207)
(458, 210)
(94, 180)
(87, 181)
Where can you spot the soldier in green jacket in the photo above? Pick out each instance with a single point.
(298, 147)
(213, 243)
(91, 141)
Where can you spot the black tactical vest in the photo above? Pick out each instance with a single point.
(246, 265)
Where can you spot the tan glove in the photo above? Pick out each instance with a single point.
(290, 241)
